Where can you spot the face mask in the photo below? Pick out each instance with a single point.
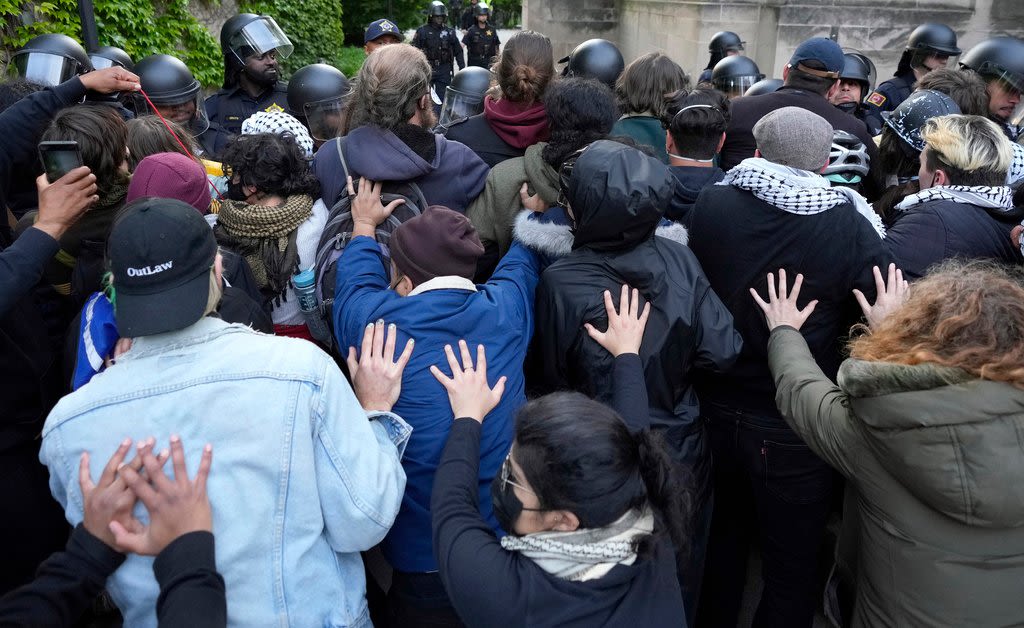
(507, 506)
(235, 191)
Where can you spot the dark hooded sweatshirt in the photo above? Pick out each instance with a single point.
(621, 194)
(690, 181)
(448, 173)
(503, 131)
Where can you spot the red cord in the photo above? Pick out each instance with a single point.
(178, 139)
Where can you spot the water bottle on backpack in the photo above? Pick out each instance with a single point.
(304, 284)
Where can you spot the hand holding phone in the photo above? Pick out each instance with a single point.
(59, 158)
(63, 202)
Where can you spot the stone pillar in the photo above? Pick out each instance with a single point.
(569, 22)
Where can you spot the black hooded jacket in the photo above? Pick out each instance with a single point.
(619, 195)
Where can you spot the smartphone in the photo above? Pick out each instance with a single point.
(59, 158)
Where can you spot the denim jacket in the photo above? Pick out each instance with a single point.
(301, 480)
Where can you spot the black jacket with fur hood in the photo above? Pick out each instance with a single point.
(621, 195)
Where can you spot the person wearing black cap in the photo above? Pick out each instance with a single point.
(252, 46)
(723, 44)
(929, 47)
(306, 454)
(381, 33)
(429, 293)
(810, 76)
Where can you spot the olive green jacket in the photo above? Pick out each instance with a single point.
(937, 460)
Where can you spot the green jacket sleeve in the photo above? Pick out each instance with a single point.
(812, 405)
(494, 211)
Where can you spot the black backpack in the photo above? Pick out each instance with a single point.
(338, 230)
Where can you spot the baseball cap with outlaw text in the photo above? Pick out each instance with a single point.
(161, 252)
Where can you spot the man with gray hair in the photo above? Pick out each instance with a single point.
(388, 123)
(775, 211)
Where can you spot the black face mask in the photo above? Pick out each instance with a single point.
(507, 506)
(235, 192)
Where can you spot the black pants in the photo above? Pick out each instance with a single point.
(768, 483)
(419, 600)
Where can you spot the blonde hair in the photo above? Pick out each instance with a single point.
(968, 315)
(216, 292)
(965, 145)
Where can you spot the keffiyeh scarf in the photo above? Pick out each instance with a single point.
(279, 123)
(796, 191)
(998, 198)
(587, 553)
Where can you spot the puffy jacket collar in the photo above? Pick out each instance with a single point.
(549, 233)
(618, 195)
(952, 440)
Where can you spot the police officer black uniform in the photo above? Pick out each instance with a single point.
(481, 40)
(251, 45)
(857, 68)
(441, 45)
(928, 41)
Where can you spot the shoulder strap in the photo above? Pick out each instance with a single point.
(341, 155)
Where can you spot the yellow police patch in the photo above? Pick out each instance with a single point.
(876, 99)
(488, 33)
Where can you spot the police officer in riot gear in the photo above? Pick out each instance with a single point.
(764, 86)
(735, 75)
(855, 82)
(177, 96)
(51, 59)
(1000, 61)
(316, 97)
(468, 16)
(464, 98)
(481, 39)
(930, 46)
(252, 45)
(441, 45)
(595, 58)
(723, 44)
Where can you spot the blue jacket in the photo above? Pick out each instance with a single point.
(499, 315)
(454, 177)
(301, 480)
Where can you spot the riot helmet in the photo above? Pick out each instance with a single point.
(735, 75)
(437, 9)
(999, 58)
(109, 56)
(595, 58)
(464, 97)
(51, 59)
(764, 86)
(481, 9)
(724, 42)
(858, 67)
(927, 40)
(911, 114)
(316, 95)
(247, 34)
(170, 86)
(848, 160)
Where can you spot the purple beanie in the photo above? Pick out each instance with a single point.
(436, 243)
(171, 175)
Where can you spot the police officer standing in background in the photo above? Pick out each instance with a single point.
(723, 44)
(468, 16)
(481, 39)
(252, 45)
(441, 45)
(929, 47)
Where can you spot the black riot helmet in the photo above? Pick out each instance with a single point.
(857, 67)
(464, 97)
(764, 86)
(926, 40)
(998, 58)
(248, 34)
(109, 56)
(735, 75)
(911, 114)
(51, 59)
(595, 58)
(171, 87)
(437, 9)
(316, 95)
(481, 9)
(721, 44)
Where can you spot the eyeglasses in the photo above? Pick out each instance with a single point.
(506, 478)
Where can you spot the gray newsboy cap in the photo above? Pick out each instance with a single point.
(794, 137)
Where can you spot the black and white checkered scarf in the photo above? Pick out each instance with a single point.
(998, 198)
(796, 191)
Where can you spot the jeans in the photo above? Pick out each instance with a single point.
(767, 482)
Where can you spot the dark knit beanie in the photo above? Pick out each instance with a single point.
(436, 243)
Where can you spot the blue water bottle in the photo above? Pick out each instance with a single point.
(304, 284)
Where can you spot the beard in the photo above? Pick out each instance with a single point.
(427, 118)
(265, 78)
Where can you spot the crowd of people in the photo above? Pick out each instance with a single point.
(568, 355)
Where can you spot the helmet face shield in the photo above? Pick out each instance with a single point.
(189, 112)
(457, 106)
(259, 37)
(102, 63)
(45, 68)
(324, 118)
(734, 86)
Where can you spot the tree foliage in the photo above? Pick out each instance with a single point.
(313, 26)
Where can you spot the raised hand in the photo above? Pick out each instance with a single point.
(626, 327)
(781, 308)
(63, 202)
(376, 375)
(890, 295)
(468, 391)
(110, 80)
(175, 507)
(367, 209)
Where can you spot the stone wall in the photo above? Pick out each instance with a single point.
(771, 28)
(212, 15)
